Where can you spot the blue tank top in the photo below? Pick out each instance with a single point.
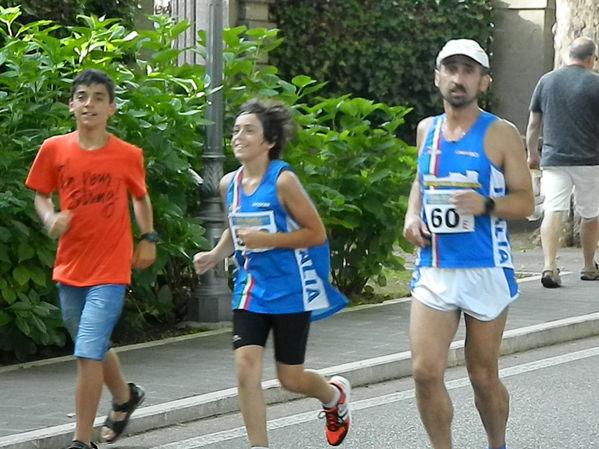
(276, 280)
(443, 167)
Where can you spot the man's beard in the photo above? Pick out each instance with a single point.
(459, 103)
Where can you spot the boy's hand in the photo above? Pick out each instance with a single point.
(144, 254)
(58, 223)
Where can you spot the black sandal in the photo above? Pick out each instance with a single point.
(76, 444)
(118, 427)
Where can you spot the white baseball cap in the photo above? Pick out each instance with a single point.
(466, 47)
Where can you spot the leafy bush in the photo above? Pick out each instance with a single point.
(66, 11)
(160, 106)
(346, 153)
(359, 174)
(378, 49)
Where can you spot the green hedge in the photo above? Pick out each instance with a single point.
(160, 107)
(378, 49)
(347, 155)
(66, 11)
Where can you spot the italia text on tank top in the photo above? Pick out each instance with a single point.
(445, 167)
(276, 280)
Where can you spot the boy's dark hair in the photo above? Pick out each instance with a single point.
(277, 125)
(92, 76)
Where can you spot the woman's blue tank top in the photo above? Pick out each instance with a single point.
(276, 280)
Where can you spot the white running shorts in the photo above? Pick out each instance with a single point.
(482, 293)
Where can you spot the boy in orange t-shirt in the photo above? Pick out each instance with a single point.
(93, 174)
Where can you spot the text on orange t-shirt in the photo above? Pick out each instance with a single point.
(97, 247)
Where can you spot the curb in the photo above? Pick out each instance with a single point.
(151, 344)
(369, 371)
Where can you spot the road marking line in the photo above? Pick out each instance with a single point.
(238, 432)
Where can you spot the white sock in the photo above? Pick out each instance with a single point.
(336, 396)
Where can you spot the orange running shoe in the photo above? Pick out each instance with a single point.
(338, 417)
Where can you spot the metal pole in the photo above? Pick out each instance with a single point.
(211, 301)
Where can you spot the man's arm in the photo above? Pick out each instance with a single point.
(533, 131)
(145, 252)
(415, 230)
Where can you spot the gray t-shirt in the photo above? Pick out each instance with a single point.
(568, 98)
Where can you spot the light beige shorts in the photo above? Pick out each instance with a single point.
(558, 183)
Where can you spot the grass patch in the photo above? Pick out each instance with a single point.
(398, 286)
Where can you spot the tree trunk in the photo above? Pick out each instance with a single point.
(574, 18)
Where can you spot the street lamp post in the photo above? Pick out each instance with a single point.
(211, 301)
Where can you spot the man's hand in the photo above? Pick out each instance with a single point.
(144, 254)
(57, 223)
(468, 202)
(416, 232)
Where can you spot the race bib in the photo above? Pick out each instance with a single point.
(441, 216)
(259, 221)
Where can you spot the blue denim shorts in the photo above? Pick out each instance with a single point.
(90, 314)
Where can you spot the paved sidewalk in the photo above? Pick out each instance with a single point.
(191, 377)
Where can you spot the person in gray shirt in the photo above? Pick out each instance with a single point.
(565, 105)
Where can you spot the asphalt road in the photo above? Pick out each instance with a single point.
(554, 404)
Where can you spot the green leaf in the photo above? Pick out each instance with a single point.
(25, 252)
(165, 56)
(5, 318)
(165, 295)
(4, 234)
(38, 324)
(379, 175)
(21, 274)
(268, 92)
(8, 294)
(23, 325)
(302, 81)
(4, 256)
(38, 276)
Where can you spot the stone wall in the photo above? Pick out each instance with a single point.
(575, 18)
(254, 13)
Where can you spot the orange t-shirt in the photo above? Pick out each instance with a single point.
(97, 247)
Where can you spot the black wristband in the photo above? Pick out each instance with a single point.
(489, 205)
(149, 236)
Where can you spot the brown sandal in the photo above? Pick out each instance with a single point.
(590, 275)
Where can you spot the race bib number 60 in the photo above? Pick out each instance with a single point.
(441, 216)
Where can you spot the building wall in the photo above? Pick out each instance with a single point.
(253, 13)
(522, 52)
(198, 13)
